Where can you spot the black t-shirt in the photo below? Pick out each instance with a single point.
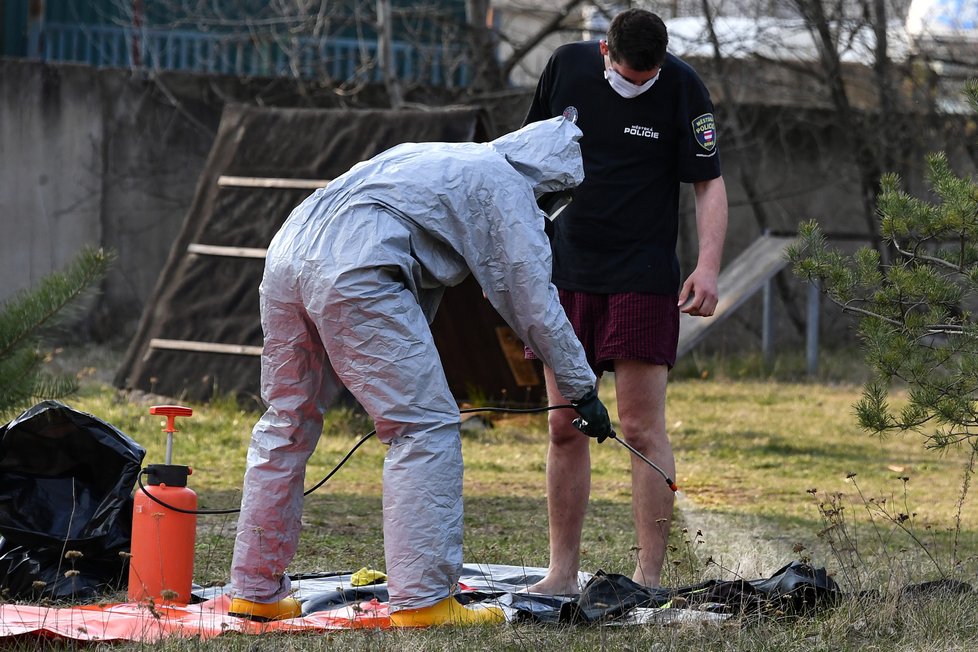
(619, 233)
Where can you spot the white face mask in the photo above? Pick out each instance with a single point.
(625, 88)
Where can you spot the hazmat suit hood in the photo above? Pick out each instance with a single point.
(546, 153)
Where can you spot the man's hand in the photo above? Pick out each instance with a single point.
(699, 296)
(594, 420)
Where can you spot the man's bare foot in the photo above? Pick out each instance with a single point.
(645, 580)
(556, 586)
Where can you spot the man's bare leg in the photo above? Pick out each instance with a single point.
(568, 488)
(641, 391)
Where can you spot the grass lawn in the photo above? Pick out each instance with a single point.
(769, 472)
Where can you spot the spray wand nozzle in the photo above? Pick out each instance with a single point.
(665, 476)
(580, 424)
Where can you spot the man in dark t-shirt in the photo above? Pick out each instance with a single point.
(648, 126)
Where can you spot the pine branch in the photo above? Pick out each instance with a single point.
(916, 318)
(17, 377)
(929, 259)
(33, 312)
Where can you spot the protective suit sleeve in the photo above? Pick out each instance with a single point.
(516, 279)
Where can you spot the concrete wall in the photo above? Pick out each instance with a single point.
(93, 158)
(50, 155)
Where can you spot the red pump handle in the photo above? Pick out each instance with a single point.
(171, 412)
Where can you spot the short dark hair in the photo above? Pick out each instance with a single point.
(638, 39)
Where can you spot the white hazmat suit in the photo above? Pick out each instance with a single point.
(353, 278)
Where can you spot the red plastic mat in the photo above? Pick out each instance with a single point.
(142, 623)
(332, 603)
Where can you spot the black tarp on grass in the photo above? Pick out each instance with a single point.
(66, 479)
(214, 299)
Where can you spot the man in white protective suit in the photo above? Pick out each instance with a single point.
(353, 278)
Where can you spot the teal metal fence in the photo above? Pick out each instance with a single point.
(338, 59)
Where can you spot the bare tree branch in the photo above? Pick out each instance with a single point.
(385, 54)
(548, 28)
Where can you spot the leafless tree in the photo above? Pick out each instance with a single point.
(850, 58)
(342, 46)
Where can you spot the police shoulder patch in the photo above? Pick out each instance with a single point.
(705, 131)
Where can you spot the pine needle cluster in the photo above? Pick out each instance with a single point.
(916, 314)
(30, 316)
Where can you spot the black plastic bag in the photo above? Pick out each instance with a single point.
(66, 481)
(793, 589)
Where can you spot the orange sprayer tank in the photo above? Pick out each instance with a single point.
(162, 564)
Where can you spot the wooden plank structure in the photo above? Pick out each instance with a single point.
(200, 333)
(744, 276)
(228, 181)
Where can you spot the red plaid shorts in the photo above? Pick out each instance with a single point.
(627, 326)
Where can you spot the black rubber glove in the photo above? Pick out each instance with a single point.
(594, 420)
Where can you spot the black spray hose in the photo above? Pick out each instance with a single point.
(212, 512)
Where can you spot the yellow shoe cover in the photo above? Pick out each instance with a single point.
(448, 612)
(265, 611)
